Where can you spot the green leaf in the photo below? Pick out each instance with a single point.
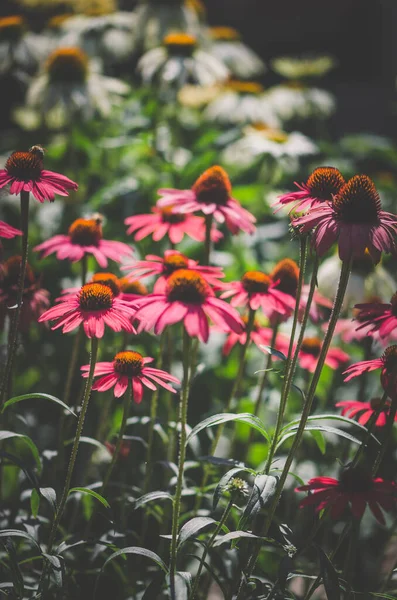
(6, 435)
(330, 417)
(150, 497)
(273, 352)
(320, 440)
(193, 527)
(17, 579)
(262, 492)
(183, 584)
(16, 399)
(85, 490)
(20, 533)
(88, 440)
(56, 567)
(34, 503)
(50, 495)
(325, 428)
(227, 418)
(235, 535)
(222, 483)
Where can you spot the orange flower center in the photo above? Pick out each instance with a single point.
(132, 287)
(355, 480)
(25, 166)
(213, 186)
(86, 232)
(108, 279)
(286, 272)
(187, 286)
(67, 65)
(375, 403)
(256, 282)
(325, 182)
(244, 87)
(224, 34)
(12, 269)
(58, 20)
(389, 358)
(180, 44)
(311, 345)
(393, 303)
(95, 297)
(173, 262)
(167, 216)
(128, 363)
(358, 201)
(11, 28)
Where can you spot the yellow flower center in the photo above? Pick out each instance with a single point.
(132, 287)
(128, 363)
(187, 286)
(224, 34)
(86, 232)
(95, 297)
(67, 65)
(286, 272)
(173, 262)
(325, 182)
(213, 186)
(58, 20)
(244, 87)
(358, 201)
(108, 279)
(256, 282)
(311, 345)
(11, 28)
(25, 166)
(180, 43)
(274, 135)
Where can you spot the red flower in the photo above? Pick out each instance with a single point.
(211, 195)
(188, 298)
(24, 171)
(164, 221)
(85, 237)
(261, 336)
(355, 488)
(351, 408)
(388, 365)
(129, 366)
(355, 218)
(381, 318)
(95, 306)
(321, 186)
(7, 231)
(310, 351)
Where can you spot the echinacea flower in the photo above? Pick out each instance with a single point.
(188, 298)
(354, 219)
(388, 365)
(260, 336)
(163, 221)
(85, 237)
(7, 231)
(310, 351)
(180, 59)
(21, 51)
(24, 172)
(356, 488)
(35, 299)
(129, 366)
(95, 306)
(164, 266)
(124, 451)
(238, 58)
(378, 317)
(351, 408)
(293, 101)
(321, 186)
(210, 195)
(257, 290)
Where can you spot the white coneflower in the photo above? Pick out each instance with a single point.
(20, 50)
(179, 61)
(302, 68)
(293, 100)
(239, 58)
(71, 87)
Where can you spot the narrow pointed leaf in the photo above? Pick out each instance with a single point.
(34, 396)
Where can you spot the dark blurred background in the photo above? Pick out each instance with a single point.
(361, 34)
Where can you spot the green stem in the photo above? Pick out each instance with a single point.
(340, 294)
(79, 429)
(181, 462)
(302, 268)
(21, 284)
(208, 547)
(265, 373)
(388, 434)
(350, 560)
(290, 370)
(370, 427)
(207, 243)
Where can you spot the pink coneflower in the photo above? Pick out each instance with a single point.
(388, 365)
(188, 298)
(355, 218)
(380, 318)
(258, 290)
(210, 195)
(164, 221)
(85, 237)
(322, 185)
(347, 330)
(261, 336)
(35, 299)
(129, 366)
(95, 306)
(355, 488)
(164, 267)
(310, 351)
(24, 171)
(124, 451)
(351, 408)
(7, 231)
